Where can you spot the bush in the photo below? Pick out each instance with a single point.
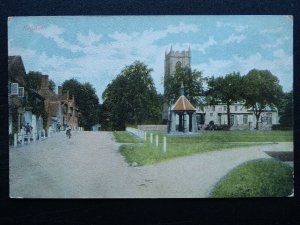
(258, 178)
(280, 127)
(212, 126)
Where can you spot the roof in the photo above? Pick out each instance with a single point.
(16, 70)
(183, 104)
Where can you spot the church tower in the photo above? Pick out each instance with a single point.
(176, 58)
(172, 60)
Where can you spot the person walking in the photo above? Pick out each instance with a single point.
(28, 128)
(68, 131)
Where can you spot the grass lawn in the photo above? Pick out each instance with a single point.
(258, 178)
(145, 153)
(125, 137)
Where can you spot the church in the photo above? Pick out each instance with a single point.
(241, 118)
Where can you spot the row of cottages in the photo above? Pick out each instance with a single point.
(42, 108)
(241, 118)
(61, 108)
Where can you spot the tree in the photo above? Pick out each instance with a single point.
(285, 110)
(52, 85)
(261, 89)
(34, 80)
(225, 90)
(86, 100)
(192, 81)
(131, 98)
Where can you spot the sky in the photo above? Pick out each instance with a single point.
(95, 49)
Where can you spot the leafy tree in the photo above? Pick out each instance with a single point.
(86, 100)
(34, 80)
(192, 81)
(261, 89)
(225, 90)
(285, 110)
(131, 98)
(52, 85)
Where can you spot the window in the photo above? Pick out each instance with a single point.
(225, 108)
(245, 119)
(178, 65)
(21, 92)
(231, 119)
(14, 89)
(235, 108)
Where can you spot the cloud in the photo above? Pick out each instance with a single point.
(278, 42)
(237, 28)
(234, 39)
(280, 65)
(271, 30)
(90, 39)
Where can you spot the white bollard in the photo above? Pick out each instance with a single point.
(156, 140)
(15, 140)
(28, 138)
(34, 137)
(165, 145)
(145, 136)
(151, 138)
(22, 135)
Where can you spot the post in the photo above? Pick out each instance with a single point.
(156, 140)
(28, 138)
(15, 139)
(22, 135)
(145, 136)
(49, 135)
(151, 138)
(165, 145)
(33, 136)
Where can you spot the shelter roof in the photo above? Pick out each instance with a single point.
(183, 104)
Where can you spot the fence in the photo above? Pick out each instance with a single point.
(143, 134)
(21, 138)
(137, 132)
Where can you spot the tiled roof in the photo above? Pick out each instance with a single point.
(183, 104)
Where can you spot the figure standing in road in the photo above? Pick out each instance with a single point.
(28, 128)
(68, 131)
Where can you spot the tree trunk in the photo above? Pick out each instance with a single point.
(257, 115)
(228, 114)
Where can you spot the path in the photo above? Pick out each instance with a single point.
(89, 166)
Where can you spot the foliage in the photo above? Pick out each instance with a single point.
(225, 90)
(177, 146)
(86, 100)
(258, 178)
(261, 89)
(131, 98)
(52, 85)
(34, 80)
(192, 81)
(285, 109)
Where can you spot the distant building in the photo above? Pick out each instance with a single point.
(60, 107)
(241, 118)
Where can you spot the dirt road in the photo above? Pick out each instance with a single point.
(89, 166)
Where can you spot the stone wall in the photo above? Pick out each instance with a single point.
(153, 127)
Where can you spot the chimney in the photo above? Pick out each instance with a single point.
(45, 82)
(59, 91)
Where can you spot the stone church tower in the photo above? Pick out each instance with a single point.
(176, 58)
(173, 59)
